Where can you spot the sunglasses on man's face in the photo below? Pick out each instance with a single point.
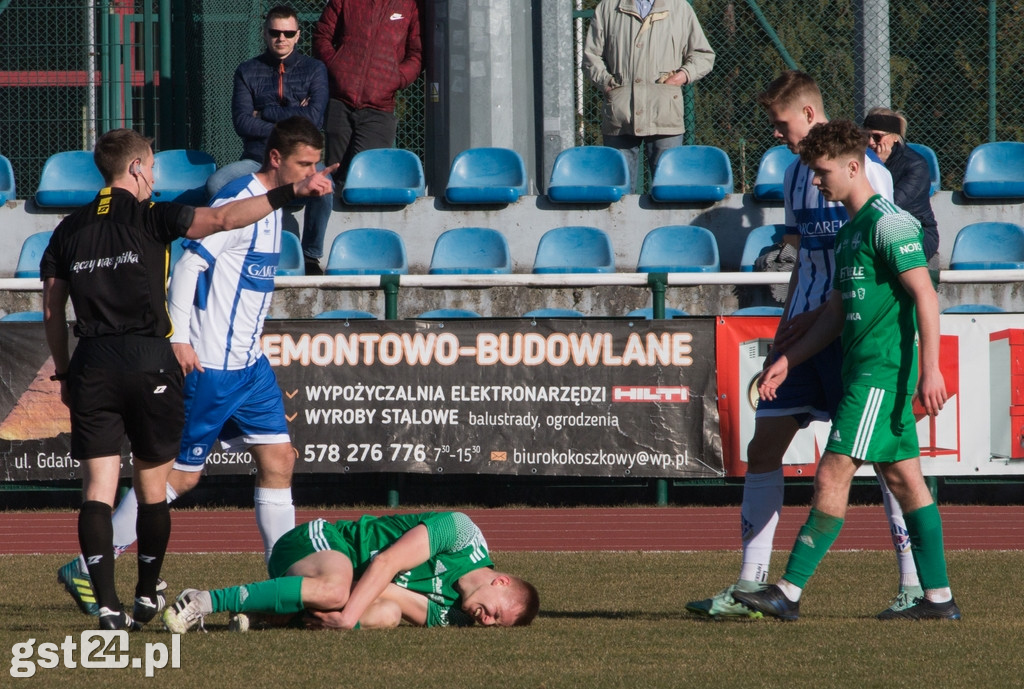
(277, 33)
(878, 136)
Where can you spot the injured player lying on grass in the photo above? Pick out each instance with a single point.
(430, 569)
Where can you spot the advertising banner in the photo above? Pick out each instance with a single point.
(602, 398)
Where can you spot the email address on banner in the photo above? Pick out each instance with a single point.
(629, 460)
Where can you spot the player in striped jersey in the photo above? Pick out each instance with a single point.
(882, 298)
(219, 296)
(794, 105)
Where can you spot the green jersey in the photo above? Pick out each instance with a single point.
(456, 547)
(880, 327)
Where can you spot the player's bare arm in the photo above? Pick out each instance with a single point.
(55, 301)
(931, 388)
(409, 551)
(825, 328)
(247, 211)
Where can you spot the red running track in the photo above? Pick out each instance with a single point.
(557, 529)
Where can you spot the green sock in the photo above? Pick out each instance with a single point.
(924, 525)
(280, 596)
(816, 536)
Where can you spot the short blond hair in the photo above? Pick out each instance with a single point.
(792, 87)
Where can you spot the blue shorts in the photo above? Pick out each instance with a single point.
(811, 391)
(237, 407)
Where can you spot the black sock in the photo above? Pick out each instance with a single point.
(153, 526)
(96, 539)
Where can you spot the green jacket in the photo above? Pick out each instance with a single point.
(629, 55)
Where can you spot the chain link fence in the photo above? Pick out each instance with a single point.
(956, 86)
(70, 68)
(226, 33)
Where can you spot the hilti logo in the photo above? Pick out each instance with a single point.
(640, 393)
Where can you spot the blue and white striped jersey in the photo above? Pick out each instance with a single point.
(234, 287)
(817, 221)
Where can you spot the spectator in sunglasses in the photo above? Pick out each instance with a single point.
(270, 88)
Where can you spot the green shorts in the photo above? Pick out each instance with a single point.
(874, 425)
(306, 539)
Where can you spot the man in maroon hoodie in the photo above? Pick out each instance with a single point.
(372, 49)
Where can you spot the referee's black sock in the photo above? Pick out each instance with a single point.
(96, 539)
(153, 526)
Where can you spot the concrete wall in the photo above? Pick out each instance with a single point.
(523, 223)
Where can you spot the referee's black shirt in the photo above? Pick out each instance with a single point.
(114, 255)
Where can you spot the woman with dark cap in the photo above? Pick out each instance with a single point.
(911, 179)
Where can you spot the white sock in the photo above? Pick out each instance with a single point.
(275, 515)
(943, 595)
(790, 590)
(759, 515)
(900, 537)
(124, 519)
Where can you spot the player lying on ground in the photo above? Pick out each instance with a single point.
(430, 569)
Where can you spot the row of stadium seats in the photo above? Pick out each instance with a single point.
(585, 174)
(571, 249)
(449, 314)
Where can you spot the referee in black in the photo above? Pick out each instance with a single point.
(112, 259)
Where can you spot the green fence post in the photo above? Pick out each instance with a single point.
(393, 492)
(657, 282)
(389, 283)
(933, 486)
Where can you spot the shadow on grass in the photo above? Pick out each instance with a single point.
(615, 615)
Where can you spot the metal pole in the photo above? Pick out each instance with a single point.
(657, 281)
(579, 72)
(992, 70)
(772, 36)
(163, 91)
(871, 69)
(90, 66)
(389, 283)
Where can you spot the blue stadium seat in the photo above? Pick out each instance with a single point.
(974, 308)
(486, 175)
(995, 171)
(933, 165)
(346, 314)
(758, 311)
(553, 313)
(589, 174)
(384, 177)
(449, 313)
(692, 174)
(180, 175)
(24, 317)
(771, 172)
(470, 250)
(31, 252)
(574, 249)
(176, 252)
(648, 313)
(292, 261)
(988, 246)
(367, 251)
(679, 249)
(7, 188)
(759, 239)
(70, 178)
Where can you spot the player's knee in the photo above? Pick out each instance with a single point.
(383, 614)
(333, 594)
(761, 459)
(184, 481)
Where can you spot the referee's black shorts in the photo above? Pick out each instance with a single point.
(109, 403)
